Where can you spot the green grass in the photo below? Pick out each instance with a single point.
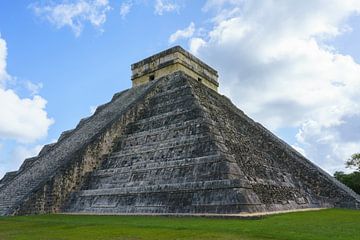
(324, 224)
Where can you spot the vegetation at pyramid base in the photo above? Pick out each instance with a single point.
(352, 180)
(332, 224)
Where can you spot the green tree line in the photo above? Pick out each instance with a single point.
(352, 180)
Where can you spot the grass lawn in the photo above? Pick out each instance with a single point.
(325, 224)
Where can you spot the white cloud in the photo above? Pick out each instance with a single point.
(195, 44)
(34, 88)
(22, 119)
(162, 6)
(275, 65)
(125, 8)
(3, 54)
(74, 13)
(184, 33)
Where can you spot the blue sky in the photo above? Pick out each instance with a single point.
(293, 66)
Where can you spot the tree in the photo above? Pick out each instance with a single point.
(352, 180)
(354, 161)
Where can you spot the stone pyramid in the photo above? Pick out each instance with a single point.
(169, 145)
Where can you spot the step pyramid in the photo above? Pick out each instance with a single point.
(169, 146)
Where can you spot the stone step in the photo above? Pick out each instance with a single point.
(163, 209)
(24, 191)
(189, 186)
(176, 93)
(5, 206)
(179, 171)
(231, 198)
(173, 117)
(180, 151)
(166, 93)
(176, 153)
(132, 181)
(157, 165)
(163, 121)
(171, 101)
(161, 116)
(166, 145)
(173, 89)
(166, 154)
(168, 106)
(5, 203)
(168, 128)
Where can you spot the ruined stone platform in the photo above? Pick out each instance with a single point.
(171, 146)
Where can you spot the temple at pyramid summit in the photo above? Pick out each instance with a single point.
(171, 144)
(173, 60)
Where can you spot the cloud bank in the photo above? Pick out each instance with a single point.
(276, 65)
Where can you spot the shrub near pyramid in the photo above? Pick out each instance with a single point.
(169, 145)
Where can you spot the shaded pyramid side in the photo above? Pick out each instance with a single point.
(280, 177)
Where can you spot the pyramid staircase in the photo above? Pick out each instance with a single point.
(170, 146)
(167, 162)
